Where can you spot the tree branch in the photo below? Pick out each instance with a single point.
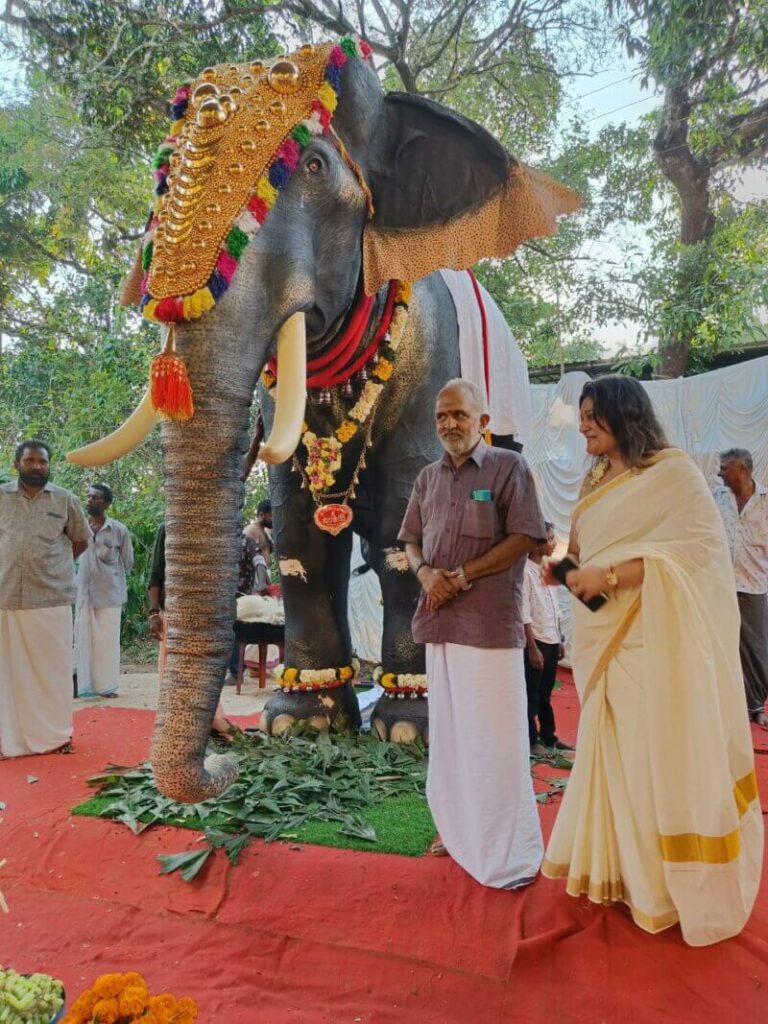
(746, 135)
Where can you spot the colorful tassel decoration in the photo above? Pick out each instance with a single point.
(170, 389)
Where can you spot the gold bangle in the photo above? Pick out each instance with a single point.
(611, 579)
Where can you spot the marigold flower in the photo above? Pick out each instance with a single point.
(290, 675)
(383, 369)
(150, 1018)
(107, 1011)
(183, 1018)
(107, 986)
(135, 980)
(81, 1010)
(347, 430)
(132, 1001)
(388, 679)
(345, 673)
(163, 1006)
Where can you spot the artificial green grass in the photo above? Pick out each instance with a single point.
(337, 789)
(403, 825)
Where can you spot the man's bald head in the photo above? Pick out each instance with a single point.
(460, 417)
(476, 394)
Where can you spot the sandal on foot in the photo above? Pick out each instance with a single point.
(226, 735)
(65, 748)
(438, 849)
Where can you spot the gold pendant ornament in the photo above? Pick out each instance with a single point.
(333, 518)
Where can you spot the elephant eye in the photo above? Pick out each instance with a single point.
(314, 165)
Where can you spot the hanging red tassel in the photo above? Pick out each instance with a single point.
(170, 389)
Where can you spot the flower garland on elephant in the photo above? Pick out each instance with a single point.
(304, 680)
(324, 460)
(325, 454)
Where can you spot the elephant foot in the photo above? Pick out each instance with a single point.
(320, 709)
(400, 721)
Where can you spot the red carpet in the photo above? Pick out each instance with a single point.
(316, 934)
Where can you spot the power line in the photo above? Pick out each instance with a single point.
(616, 110)
(609, 86)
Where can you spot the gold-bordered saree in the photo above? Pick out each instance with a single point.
(661, 811)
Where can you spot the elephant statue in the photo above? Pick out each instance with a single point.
(299, 219)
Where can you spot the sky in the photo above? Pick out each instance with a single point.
(614, 96)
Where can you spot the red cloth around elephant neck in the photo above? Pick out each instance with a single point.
(343, 359)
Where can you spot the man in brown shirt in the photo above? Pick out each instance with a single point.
(472, 518)
(42, 531)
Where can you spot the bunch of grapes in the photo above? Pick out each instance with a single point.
(29, 998)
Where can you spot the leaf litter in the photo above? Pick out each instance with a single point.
(283, 784)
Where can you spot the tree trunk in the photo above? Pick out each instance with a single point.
(690, 176)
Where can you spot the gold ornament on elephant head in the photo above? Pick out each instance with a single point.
(237, 118)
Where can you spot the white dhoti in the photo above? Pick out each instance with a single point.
(35, 680)
(97, 650)
(479, 785)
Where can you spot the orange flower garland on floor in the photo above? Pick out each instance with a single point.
(125, 998)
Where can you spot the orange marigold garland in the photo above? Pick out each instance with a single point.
(124, 999)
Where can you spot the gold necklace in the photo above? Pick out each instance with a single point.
(599, 469)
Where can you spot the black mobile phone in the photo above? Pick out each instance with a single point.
(561, 570)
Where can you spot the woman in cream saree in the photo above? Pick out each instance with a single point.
(661, 811)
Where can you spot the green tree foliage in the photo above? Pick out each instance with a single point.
(709, 58)
(74, 191)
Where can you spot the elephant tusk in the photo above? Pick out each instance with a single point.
(291, 397)
(120, 441)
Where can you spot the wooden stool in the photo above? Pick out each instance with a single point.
(262, 634)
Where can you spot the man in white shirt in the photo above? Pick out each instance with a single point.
(743, 504)
(101, 593)
(544, 648)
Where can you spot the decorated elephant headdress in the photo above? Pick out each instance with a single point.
(237, 138)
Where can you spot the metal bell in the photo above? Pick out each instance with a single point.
(324, 397)
(362, 374)
(347, 390)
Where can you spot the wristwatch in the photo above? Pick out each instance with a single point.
(419, 567)
(462, 578)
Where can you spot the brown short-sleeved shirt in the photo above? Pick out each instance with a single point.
(36, 537)
(460, 514)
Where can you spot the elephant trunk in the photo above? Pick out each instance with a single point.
(203, 461)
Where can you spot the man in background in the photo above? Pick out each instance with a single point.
(743, 504)
(543, 650)
(260, 529)
(101, 594)
(42, 531)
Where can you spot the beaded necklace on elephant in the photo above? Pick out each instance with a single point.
(324, 454)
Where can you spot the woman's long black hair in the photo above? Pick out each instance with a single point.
(621, 405)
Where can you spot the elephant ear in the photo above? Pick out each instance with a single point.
(446, 194)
